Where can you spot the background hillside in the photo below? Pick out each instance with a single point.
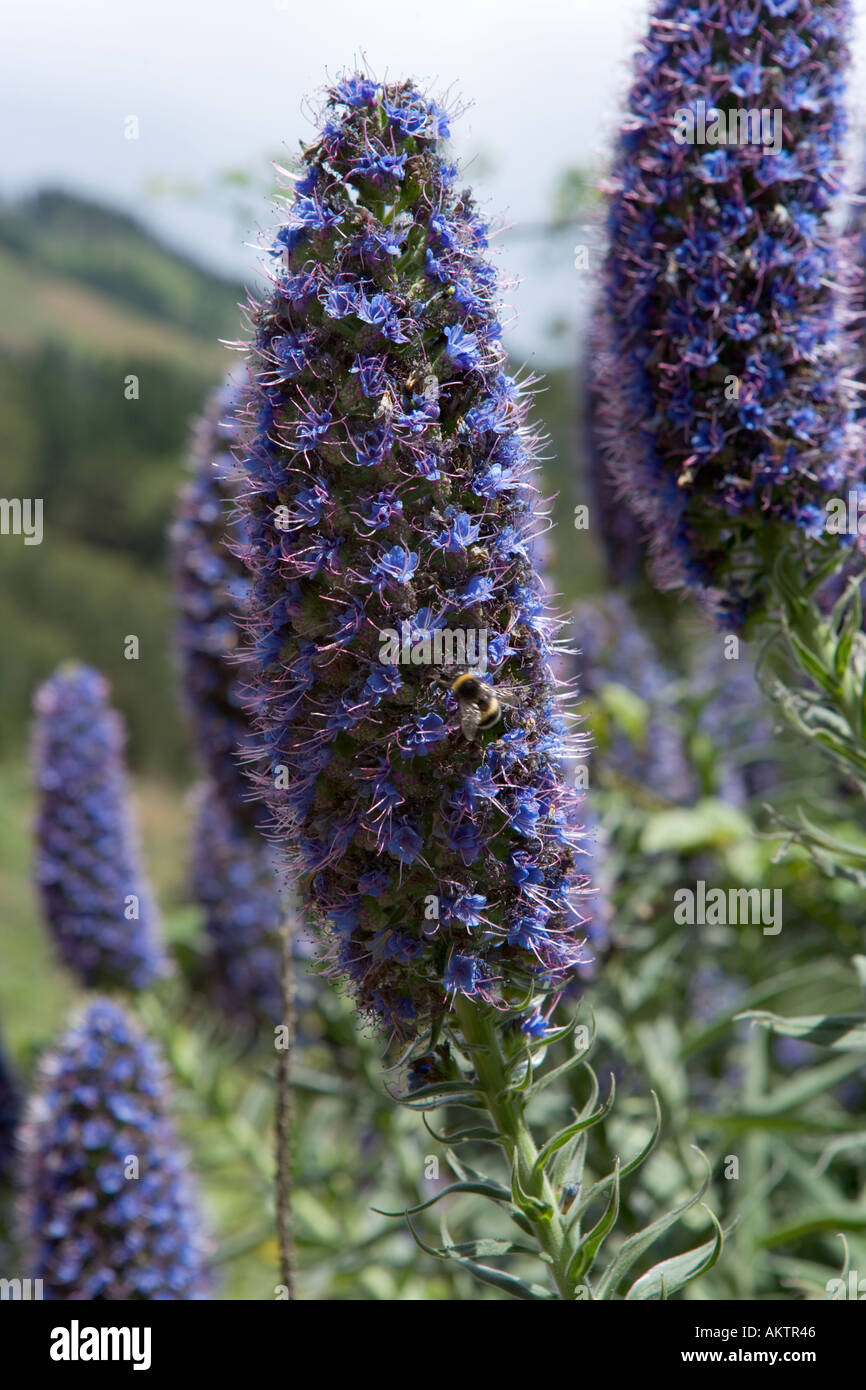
(92, 298)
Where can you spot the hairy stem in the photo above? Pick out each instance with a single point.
(481, 1030)
(285, 1116)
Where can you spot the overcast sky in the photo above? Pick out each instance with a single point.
(217, 84)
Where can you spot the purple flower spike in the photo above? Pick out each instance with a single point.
(614, 650)
(724, 394)
(235, 882)
(211, 594)
(9, 1109)
(390, 804)
(94, 895)
(233, 876)
(108, 1209)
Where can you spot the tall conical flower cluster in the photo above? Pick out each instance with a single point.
(614, 651)
(94, 894)
(613, 524)
(9, 1108)
(390, 498)
(211, 592)
(108, 1211)
(725, 389)
(233, 875)
(234, 880)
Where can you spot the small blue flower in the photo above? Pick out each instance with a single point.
(462, 347)
(396, 565)
(342, 299)
(462, 975)
(372, 374)
(381, 313)
(792, 51)
(405, 844)
(429, 729)
(357, 90)
(713, 167)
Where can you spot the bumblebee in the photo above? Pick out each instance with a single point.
(480, 705)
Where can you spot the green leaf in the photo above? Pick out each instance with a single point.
(812, 1081)
(518, 1288)
(480, 1133)
(493, 1190)
(468, 1099)
(583, 1258)
(488, 1248)
(580, 1205)
(710, 824)
(812, 666)
(781, 983)
(627, 709)
(829, 841)
(564, 1135)
(449, 1089)
(849, 629)
(833, 1219)
(570, 1163)
(556, 1075)
(525, 1201)
(632, 1249)
(541, 1082)
(463, 1170)
(842, 1033)
(671, 1275)
(648, 1147)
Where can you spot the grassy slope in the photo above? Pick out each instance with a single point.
(107, 251)
(43, 307)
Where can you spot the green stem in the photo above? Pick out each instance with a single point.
(285, 1117)
(481, 1030)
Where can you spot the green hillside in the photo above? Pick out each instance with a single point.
(91, 298)
(69, 244)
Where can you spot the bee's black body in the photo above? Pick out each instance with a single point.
(480, 706)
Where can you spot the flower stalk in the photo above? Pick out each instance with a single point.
(506, 1107)
(284, 1130)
